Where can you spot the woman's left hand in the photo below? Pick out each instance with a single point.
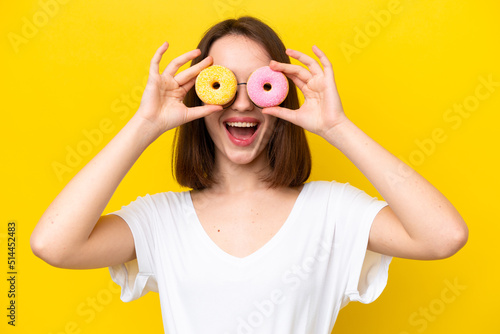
(322, 109)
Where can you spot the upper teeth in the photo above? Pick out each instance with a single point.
(241, 124)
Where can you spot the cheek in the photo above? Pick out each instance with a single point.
(211, 131)
(272, 120)
(269, 130)
(212, 124)
(271, 123)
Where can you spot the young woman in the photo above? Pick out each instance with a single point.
(252, 248)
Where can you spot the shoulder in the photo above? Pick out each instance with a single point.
(320, 192)
(155, 209)
(316, 187)
(338, 194)
(157, 200)
(335, 187)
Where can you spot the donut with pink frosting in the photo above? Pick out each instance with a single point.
(266, 87)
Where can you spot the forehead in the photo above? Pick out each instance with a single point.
(240, 54)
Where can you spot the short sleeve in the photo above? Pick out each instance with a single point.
(367, 271)
(136, 277)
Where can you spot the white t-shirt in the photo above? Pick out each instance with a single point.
(296, 283)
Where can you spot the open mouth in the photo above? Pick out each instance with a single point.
(242, 130)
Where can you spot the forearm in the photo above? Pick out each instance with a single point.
(424, 212)
(71, 217)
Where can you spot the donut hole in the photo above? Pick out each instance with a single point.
(267, 87)
(216, 85)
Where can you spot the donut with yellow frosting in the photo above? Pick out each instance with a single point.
(216, 85)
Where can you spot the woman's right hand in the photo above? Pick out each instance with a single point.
(71, 235)
(162, 101)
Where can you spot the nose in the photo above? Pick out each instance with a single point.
(242, 101)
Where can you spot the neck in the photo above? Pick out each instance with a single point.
(236, 178)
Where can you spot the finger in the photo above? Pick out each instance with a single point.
(302, 85)
(283, 113)
(202, 111)
(183, 77)
(175, 64)
(291, 70)
(306, 60)
(300, 79)
(188, 85)
(154, 67)
(325, 62)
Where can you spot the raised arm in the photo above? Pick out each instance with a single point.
(72, 233)
(419, 223)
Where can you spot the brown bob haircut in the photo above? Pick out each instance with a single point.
(288, 152)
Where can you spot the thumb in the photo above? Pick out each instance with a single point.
(202, 111)
(284, 113)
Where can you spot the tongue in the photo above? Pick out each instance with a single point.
(241, 133)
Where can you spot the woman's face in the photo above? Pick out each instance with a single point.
(233, 138)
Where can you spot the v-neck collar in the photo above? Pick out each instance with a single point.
(209, 243)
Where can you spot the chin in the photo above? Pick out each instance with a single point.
(243, 158)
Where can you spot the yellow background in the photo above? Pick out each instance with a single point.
(82, 70)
